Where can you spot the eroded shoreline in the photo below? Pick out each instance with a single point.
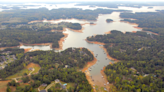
(61, 42)
(86, 71)
(95, 42)
(102, 71)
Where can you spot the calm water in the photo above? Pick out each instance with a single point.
(74, 5)
(76, 39)
(44, 48)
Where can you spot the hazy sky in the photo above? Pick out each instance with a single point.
(69, 0)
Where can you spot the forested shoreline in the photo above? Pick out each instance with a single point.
(149, 21)
(9, 38)
(29, 15)
(141, 60)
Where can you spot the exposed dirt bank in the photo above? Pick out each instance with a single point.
(61, 42)
(108, 56)
(95, 42)
(87, 73)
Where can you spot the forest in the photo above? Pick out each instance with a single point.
(149, 21)
(141, 60)
(52, 67)
(41, 26)
(12, 37)
(25, 16)
(109, 20)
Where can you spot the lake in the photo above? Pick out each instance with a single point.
(76, 39)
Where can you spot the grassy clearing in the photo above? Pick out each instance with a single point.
(22, 85)
(3, 86)
(25, 70)
(35, 66)
(41, 87)
(70, 85)
(19, 74)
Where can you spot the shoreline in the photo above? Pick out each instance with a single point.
(108, 56)
(106, 79)
(151, 32)
(86, 71)
(102, 71)
(61, 42)
(129, 18)
(55, 20)
(21, 44)
(109, 32)
(134, 24)
(80, 31)
(2, 48)
(95, 42)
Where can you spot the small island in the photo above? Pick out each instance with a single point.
(109, 20)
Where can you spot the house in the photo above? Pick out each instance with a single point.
(57, 81)
(63, 86)
(43, 91)
(66, 66)
(30, 69)
(44, 85)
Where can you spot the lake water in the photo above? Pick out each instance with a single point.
(77, 40)
(74, 5)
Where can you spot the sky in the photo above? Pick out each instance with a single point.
(71, 0)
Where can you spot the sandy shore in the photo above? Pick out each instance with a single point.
(128, 18)
(21, 44)
(27, 50)
(80, 31)
(95, 42)
(2, 48)
(54, 20)
(109, 32)
(61, 42)
(151, 32)
(102, 71)
(134, 24)
(87, 73)
(109, 57)
(134, 31)
(105, 78)
(137, 27)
